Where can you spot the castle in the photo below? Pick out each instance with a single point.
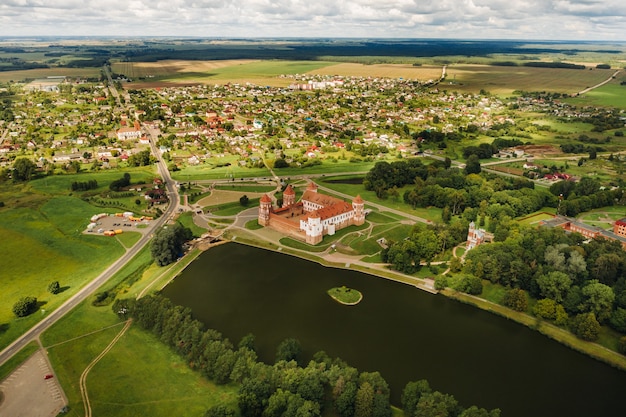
(313, 217)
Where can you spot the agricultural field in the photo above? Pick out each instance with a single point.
(502, 80)
(406, 71)
(31, 74)
(266, 72)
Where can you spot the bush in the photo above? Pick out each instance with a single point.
(54, 287)
(25, 306)
(622, 345)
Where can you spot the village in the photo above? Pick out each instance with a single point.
(77, 125)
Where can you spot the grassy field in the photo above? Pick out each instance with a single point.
(51, 239)
(505, 80)
(209, 172)
(140, 376)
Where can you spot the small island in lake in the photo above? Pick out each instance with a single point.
(345, 295)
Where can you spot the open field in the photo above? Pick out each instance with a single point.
(505, 80)
(406, 71)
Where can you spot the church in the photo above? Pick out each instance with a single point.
(311, 218)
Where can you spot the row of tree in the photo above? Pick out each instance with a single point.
(285, 388)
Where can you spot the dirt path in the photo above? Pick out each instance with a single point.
(83, 376)
(586, 90)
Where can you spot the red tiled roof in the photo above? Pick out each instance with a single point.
(358, 199)
(289, 190)
(333, 210)
(265, 199)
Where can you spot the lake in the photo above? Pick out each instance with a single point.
(403, 332)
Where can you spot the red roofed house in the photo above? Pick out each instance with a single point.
(313, 217)
(619, 227)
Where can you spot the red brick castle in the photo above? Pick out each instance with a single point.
(313, 217)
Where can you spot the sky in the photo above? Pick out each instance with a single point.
(457, 19)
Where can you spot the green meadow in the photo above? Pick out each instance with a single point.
(44, 244)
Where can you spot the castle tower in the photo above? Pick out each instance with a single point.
(265, 206)
(359, 211)
(312, 187)
(314, 229)
(289, 196)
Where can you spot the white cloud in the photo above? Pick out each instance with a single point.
(532, 19)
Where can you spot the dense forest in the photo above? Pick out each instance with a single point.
(289, 387)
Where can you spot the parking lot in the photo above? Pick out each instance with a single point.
(28, 393)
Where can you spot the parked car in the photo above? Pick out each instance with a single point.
(48, 376)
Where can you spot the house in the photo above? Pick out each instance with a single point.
(125, 133)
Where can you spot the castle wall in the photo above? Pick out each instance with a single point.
(286, 227)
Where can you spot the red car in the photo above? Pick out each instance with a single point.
(48, 376)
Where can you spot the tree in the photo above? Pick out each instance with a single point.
(167, 244)
(472, 165)
(436, 404)
(54, 287)
(23, 169)
(280, 163)
(364, 403)
(25, 306)
(516, 299)
(586, 327)
(412, 393)
(288, 350)
(598, 299)
(618, 320)
(470, 285)
(545, 308)
(247, 342)
(474, 411)
(244, 200)
(554, 285)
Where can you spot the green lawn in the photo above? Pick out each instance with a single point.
(210, 172)
(128, 239)
(141, 376)
(186, 219)
(250, 188)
